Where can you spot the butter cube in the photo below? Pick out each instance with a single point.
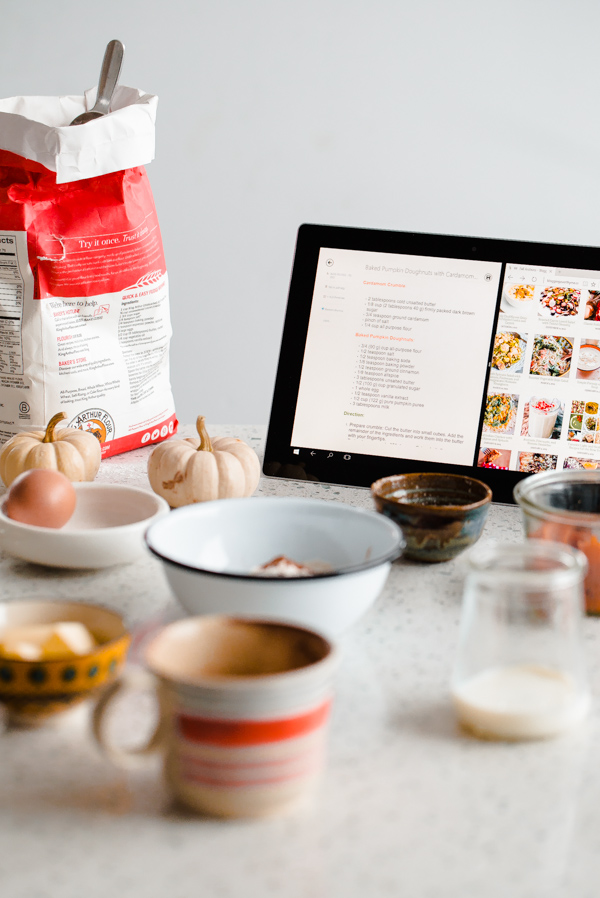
(47, 642)
(22, 651)
(68, 640)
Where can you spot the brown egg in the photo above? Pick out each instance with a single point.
(41, 497)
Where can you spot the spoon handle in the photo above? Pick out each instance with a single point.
(109, 75)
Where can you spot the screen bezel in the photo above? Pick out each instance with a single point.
(362, 470)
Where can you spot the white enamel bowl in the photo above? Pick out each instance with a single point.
(107, 528)
(209, 549)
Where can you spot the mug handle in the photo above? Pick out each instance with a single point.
(136, 679)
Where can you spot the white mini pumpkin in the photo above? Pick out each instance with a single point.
(75, 453)
(201, 469)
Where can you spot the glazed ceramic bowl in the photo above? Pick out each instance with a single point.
(440, 515)
(35, 690)
(564, 506)
(107, 528)
(209, 549)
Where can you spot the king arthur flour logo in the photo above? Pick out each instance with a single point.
(96, 421)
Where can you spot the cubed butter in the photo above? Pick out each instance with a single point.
(47, 642)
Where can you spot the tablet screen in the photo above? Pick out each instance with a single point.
(402, 343)
(421, 352)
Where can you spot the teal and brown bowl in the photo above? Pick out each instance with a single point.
(440, 515)
(33, 691)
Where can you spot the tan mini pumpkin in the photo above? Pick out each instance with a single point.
(197, 470)
(73, 452)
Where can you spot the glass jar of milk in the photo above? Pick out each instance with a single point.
(519, 671)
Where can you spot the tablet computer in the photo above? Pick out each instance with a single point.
(421, 352)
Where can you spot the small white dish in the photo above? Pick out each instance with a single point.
(107, 528)
(209, 550)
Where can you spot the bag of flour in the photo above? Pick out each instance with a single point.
(84, 303)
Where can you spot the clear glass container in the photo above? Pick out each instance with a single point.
(519, 670)
(564, 506)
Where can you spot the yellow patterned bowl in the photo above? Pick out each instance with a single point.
(34, 690)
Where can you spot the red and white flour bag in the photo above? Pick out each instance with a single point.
(84, 302)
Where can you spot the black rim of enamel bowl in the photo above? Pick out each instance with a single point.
(391, 555)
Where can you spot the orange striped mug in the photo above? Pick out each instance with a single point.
(243, 712)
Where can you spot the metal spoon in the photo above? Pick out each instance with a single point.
(109, 75)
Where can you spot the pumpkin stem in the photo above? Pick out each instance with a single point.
(49, 435)
(205, 443)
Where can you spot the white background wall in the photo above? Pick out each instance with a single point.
(449, 116)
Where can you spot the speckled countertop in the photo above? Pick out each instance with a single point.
(409, 805)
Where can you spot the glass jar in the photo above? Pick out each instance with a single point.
(564, 506)
(519, 671)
